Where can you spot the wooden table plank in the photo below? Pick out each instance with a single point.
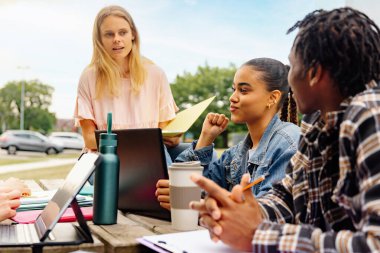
(16, 249)
(155, 225)
(97, 246)
(33, 185)
(51, 184)
(121, 237)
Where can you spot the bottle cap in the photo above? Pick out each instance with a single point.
(109, 138)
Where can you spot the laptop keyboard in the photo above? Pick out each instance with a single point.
(27, 233)
(21, 233)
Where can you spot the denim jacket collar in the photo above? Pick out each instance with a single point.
(241, 155)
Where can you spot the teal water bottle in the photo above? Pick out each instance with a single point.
(106, 187)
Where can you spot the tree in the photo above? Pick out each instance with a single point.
(37, 101)
(189, 89)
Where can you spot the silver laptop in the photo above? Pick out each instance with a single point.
(46, 230)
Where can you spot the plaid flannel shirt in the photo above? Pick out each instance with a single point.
(329, 200)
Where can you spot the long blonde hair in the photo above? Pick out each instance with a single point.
(108, 72)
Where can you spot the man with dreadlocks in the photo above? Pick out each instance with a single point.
(329, 200)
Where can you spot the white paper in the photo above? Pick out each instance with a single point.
(190, 242)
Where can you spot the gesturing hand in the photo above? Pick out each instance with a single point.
(232, 218)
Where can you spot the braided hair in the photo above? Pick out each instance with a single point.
(275, 76)
(344, 41)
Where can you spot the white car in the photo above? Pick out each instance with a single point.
(69, 140)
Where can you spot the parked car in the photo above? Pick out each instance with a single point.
(69, 140)
(25, 140)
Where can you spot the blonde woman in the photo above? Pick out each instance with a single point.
(121, 81)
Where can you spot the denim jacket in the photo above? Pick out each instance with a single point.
(277, 145)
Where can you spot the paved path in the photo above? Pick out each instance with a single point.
(36, 165)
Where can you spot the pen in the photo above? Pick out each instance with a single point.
(255, 182)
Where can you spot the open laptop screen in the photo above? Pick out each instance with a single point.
(74, 181)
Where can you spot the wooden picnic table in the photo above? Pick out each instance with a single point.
(117, 238)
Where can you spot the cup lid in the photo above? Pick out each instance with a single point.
(191, 165)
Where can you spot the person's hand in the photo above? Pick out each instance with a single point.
(172, 141)
(9, 202)
(163, 193)
(220, 209)
(213, 126)
(16, 184)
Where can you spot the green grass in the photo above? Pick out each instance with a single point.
(58, 172)
(30, 159)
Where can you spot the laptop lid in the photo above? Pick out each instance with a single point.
(142, 164)
(65, 195)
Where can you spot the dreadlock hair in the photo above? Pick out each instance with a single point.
(344, 41)
(275, 76)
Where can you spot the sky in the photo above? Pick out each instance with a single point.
(52, 40)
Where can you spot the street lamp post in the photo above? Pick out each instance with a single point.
(22, 98)
(22, 105)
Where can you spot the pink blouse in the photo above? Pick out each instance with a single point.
(153, 104)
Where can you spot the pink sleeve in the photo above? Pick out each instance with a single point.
(83, 103)
(168, 107)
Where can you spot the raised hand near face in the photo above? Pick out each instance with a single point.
(213, 126)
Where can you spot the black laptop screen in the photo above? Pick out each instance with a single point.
(142, 163)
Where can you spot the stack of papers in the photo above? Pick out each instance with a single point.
(29, 217)
(190, 242)
(39, 199)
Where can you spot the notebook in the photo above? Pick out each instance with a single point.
(46, 231)
(28, 217)
(186, 118)
(142, 164)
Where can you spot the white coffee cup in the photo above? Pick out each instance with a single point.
(182, 191)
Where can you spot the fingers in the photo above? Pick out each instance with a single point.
(165, 205)
(15, 194)
(15, 183)
(164, 183)
(224, 123)
(215, 230)
(212, 208)
(14, 203)
(198, 206)
(217, 119)
(163, 198)
(9, 194)
(237, 194)
(248, 194)
(213, 190)
(9, 202)
(6, 212)
(162, 191)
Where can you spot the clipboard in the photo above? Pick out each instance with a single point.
(186, 118)
(189, 242)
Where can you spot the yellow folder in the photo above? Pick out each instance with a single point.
(186, 118)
